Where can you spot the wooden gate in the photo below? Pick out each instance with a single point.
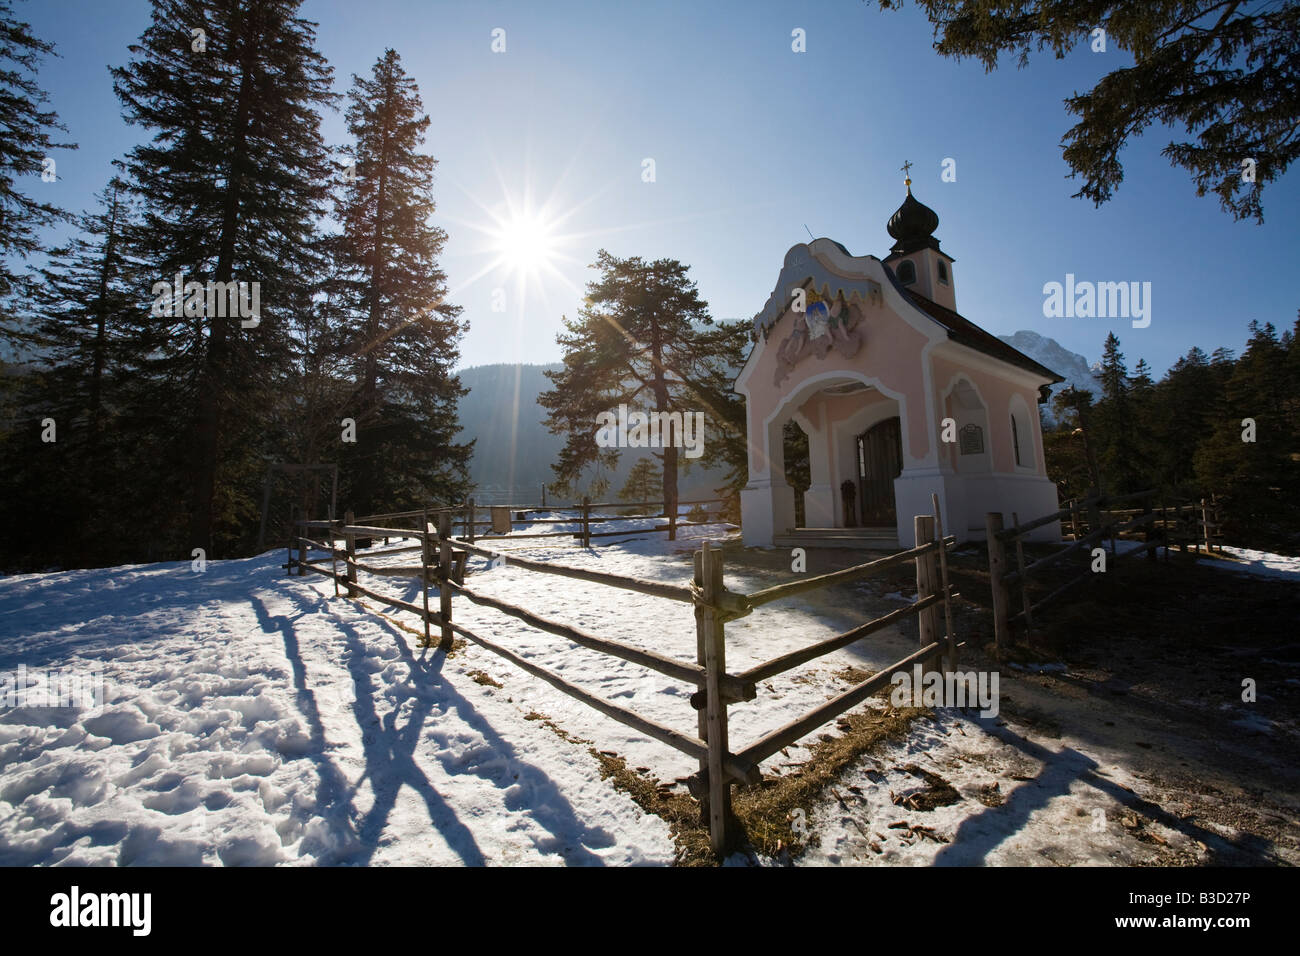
(880, 461)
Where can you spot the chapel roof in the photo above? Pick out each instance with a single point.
(965, 332)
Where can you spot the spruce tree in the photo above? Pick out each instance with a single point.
(88, 296)
(232, 180)
(1255, 473)
(1114, 424)
(400, 334)
(25, 144)
(1074, 409)
(1184, 401)
(91, 294)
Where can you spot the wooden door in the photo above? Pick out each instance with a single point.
(880, 461)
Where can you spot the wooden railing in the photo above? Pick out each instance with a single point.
(1091, 522)
(466, 517)
(720, 767)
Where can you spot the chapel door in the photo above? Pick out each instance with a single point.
(880, 461)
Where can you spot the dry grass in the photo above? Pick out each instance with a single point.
(457, 643)
(764, 812)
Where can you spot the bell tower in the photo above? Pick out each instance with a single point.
(915, 258)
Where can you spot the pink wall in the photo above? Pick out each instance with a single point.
(890, 355)
(996, 393)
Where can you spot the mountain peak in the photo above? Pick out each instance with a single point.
(1078, 371)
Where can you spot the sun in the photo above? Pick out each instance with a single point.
(525, 243)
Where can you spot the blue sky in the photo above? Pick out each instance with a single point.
(751, 143)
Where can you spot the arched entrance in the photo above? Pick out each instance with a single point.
(880, 461)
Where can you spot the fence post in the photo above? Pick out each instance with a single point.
(351, 542)
(926, 565)
(1205, 526)
(469, 523)
(334, 556)
(1150, 537)
(1164, 526)
(1024, 590)
(1215, 532)
(710, 644)
(425, 527)
(997, 569)
(444, 576)
(1094, 513)
(951, 661)
(586, 522)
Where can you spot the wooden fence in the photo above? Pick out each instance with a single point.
(465, 517)
(1089, 523)
(720, 767)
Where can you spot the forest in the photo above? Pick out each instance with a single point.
(1216, 425)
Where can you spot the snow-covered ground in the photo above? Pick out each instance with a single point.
(1259, 563)
(254, 718)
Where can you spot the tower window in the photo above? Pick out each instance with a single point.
(906, 272)
(1015, 439)
(943, 272)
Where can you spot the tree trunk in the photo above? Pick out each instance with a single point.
(366, 483)
(212, 379)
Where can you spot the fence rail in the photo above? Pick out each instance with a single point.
(1092, 521)
(720, 767)
(503, 519)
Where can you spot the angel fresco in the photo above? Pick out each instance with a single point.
(822, 326)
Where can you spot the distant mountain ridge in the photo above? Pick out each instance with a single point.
(514, 451)
(1076, 369)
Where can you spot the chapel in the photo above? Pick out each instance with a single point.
(900, 397)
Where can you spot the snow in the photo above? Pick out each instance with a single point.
(253, 718)
(1259, 563)
(1262, 564)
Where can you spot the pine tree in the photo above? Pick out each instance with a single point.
(1114, 424)
(401, 334)
(232, 181)
(644, 482)
(1145, 443)
(25, 143)
(1184, 401)
(642, 340)
(88, 295)
(725, 346)
(1257, 478)
(1075, 410)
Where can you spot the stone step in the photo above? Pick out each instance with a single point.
(803, 539)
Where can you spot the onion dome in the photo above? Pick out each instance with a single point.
(913, 224)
